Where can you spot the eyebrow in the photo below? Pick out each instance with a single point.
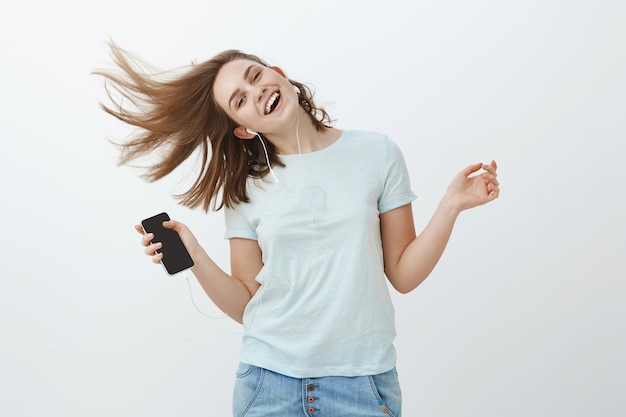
(246, 73)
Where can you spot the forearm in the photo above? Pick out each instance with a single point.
(409, 259)
(421, 256)
(229, 294)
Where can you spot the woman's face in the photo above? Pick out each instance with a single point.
(256, 97)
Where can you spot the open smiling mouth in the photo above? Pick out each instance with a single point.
(272, 103)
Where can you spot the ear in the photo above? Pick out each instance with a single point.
(242, 133)
(280, 71)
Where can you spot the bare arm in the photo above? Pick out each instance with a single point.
(230, 293)
(409, 259)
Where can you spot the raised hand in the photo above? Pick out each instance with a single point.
(467, 190)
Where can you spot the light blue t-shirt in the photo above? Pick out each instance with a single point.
(323, 308)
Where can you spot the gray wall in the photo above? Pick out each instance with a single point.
(524, 315)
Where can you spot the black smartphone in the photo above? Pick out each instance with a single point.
(176, 258)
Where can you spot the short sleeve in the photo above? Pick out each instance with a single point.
(237, 224)
(397, 185)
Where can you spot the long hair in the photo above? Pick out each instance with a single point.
(176, 113)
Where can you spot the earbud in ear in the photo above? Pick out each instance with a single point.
(251, 132)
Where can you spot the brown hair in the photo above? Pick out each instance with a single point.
(177, 113)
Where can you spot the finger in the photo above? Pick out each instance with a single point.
(490, 169)
(490, 179)
(157, 258)
(150, 250)
(139, 229)
(469, 170)
(147, 238)
(172, 224)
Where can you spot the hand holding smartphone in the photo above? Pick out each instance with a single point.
(176, 258)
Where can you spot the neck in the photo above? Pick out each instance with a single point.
(300, 137)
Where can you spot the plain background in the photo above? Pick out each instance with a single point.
(524, 315)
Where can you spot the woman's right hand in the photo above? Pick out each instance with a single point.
(190, 241)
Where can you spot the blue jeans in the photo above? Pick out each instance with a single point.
(263, 393)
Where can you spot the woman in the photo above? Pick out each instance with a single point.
(317, 218)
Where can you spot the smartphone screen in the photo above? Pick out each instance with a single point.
(175, 256)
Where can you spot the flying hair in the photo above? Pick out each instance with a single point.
(175, 114)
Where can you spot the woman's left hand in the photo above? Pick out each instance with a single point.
(467, 191)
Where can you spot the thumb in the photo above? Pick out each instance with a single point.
(170, 224)
(470, 169)
(174, 225)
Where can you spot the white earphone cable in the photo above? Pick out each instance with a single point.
(193, 301)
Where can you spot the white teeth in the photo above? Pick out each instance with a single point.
(270, 102)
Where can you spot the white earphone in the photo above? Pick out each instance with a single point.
(267, 157)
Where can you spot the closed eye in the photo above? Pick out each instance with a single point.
(255, 77)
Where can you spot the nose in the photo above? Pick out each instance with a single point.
(261, 94)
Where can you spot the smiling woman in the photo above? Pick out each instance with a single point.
(314, 245)
(181, 114)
